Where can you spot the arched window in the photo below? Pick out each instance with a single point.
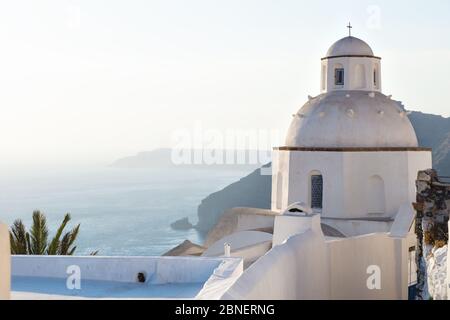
(339, 75)
(316, 191)
(376, 199)
(376, 76)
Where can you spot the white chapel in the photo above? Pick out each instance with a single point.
(351, 153)
(343, 185)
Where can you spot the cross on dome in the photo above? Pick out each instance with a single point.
(349, 29)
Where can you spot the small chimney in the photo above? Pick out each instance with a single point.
(227, 250)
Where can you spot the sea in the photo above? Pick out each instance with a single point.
(122, 212)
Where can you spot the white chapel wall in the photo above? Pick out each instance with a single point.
(302, 165)
(346, 180)
(280, 180)
(358, 74)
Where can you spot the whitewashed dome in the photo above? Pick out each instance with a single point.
(351, 119)
(350, 46)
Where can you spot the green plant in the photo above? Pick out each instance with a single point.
(35, 242)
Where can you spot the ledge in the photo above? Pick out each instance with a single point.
(348, 149)
(351, 56)
(371, 219)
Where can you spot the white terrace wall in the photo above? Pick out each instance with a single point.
(308, 267)
(297, 269)
(120, 269)
(354, 260)
(218, 274)
(5, 265)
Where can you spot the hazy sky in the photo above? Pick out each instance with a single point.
(90, 81)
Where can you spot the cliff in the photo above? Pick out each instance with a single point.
(253, 191)
(434, 132)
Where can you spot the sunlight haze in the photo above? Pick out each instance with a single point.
(92, 81)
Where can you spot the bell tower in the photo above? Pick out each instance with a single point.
(350, 64)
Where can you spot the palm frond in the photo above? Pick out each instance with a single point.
(27, 236)
(63, 247)
(73, 237)
(38, 234)
(35, 242)
(54, 244)
(18, 238)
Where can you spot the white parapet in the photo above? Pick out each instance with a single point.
(5, 263)
(303, 264)
(116, 277)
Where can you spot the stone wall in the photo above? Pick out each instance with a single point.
(431, 228)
